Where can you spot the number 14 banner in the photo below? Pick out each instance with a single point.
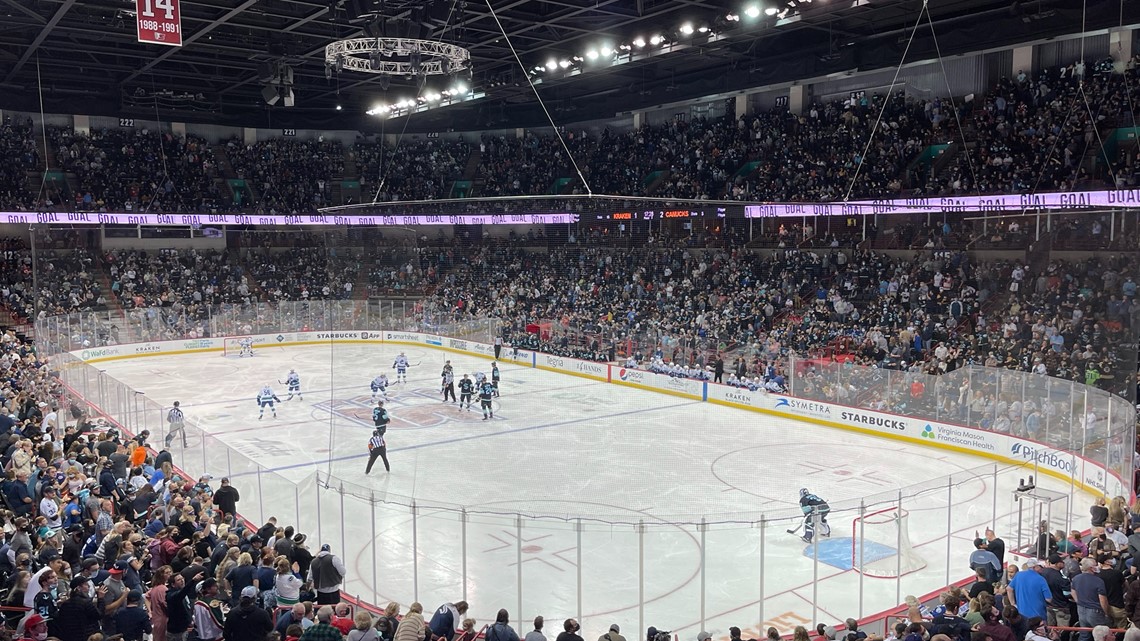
(159, 22)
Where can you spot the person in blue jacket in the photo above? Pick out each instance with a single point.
(447, 618)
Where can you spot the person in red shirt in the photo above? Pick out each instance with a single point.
(342, 619)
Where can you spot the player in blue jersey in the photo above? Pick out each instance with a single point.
(486, 392)
(377, 447)
(379, 384)
(813, 507)
(293, 380)
(466, 389)
(401, 367)
(495, 377)
(266, 398)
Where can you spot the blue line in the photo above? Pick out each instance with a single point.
(469, 438)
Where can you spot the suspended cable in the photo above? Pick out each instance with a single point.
(883, 109)
(549, 118)
(953, 106)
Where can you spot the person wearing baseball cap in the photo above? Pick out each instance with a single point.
(247, 622)
(36, 628)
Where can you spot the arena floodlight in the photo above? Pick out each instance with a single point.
(656, 40)
(752, 11)
(592, 54)
(771, 11)
(639, 42)
(607, 51)
(551, 65)
(687, 29)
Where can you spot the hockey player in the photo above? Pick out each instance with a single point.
(401, 366)
(377, 448)
(466, 389)
(480, 377)
(293, 380)
(246, 345)
(812, 505)
(266, 398)
(448, 385)
(486, 391)
(495, 377)
(379, 384)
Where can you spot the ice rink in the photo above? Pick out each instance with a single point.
(586, 462)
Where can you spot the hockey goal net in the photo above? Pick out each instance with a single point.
(231, 346)
(880, 544)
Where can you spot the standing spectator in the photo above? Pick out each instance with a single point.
(1029, 592)
(248, 622)
(569, 632)
(501, 629)
(79, 615)
(328, 574)
(536, 634)
(179, 591)
(243, 575)
(411, 627)
(1099, 512)
(447, 618)
(982, 558)
(156, 602)
(132, 621)
(1091, 597)
(209, 617)
(301, 556)
(226, 498)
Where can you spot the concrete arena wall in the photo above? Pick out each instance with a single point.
(1089, 475)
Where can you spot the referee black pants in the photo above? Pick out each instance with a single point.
(449, 390)
(378, 452)
(498, 350)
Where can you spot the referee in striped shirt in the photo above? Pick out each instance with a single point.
(376, 446)
(177, 421)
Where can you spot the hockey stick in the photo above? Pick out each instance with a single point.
(796, 529)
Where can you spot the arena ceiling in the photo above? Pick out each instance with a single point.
(84, 56)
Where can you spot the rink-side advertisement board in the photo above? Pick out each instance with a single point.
(1089, 474)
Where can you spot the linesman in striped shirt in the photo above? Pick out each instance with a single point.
(377, 448)
(177, 421)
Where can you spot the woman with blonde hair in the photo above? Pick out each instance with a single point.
(22, 458)
(800, 634)
(1117, 512)
(411, 628)
(362, 629)
(386, 624)
(228, 563)
(287, 584)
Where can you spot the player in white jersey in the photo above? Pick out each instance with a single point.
(479, 378)
(379, 384)
(266, 398)
(246, 345)
(293, 380)
(401, 366)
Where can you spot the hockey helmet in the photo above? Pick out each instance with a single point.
(804, 492)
